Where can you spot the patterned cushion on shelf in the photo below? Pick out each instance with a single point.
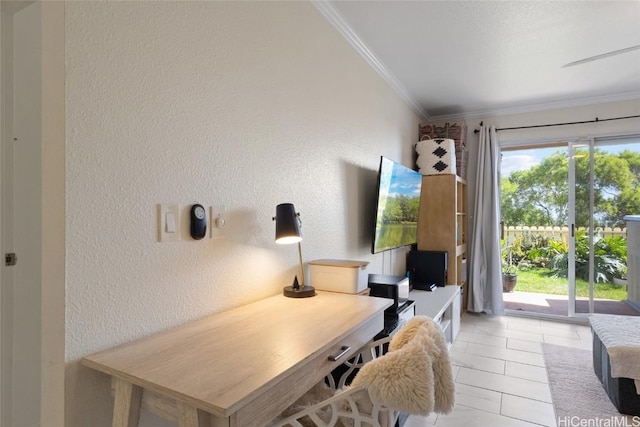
(436, 156)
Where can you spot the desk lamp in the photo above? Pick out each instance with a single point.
(288, 231)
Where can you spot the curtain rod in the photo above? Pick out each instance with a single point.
(562, 124)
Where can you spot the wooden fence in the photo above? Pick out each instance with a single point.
(557, 233)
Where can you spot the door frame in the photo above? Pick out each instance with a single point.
(571, 302)
(51, 28)
(6, 217)
(571, 222)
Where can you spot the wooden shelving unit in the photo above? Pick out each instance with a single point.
(442, 224)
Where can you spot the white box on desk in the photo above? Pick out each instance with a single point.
(339, 275)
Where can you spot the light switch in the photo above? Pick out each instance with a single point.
(168, 223)
(170, 220)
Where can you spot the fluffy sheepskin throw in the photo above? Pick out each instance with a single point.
(415, 375)
(443, 384)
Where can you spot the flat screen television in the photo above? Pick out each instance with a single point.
(398, 202)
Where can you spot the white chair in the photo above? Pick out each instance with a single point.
(349, 407)
(413, 377)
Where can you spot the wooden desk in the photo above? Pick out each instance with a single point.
(241, 367)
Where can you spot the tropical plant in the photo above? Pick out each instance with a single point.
(614, 247)
(609, 258)
(512, 255)
(541, 255)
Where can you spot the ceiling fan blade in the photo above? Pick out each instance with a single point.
(602, 56)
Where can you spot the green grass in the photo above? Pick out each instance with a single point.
(542, 281)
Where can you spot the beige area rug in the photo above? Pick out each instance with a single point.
(578, 396)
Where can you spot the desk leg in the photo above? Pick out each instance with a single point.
(188, 416)
(126, 409)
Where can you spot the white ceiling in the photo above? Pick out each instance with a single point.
(478, 57)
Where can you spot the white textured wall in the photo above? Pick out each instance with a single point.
(245, 104)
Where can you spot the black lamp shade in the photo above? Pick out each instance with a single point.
(287, 224)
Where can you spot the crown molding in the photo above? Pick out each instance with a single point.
(343, 27)
(335, 19)
(573, 103)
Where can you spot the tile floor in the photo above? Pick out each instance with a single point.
(500, 374)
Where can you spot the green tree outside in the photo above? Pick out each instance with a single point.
(539, 196)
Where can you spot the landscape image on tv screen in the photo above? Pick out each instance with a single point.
(397, 207)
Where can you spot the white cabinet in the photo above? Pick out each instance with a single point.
(443, 306)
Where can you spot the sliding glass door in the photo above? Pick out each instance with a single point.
(562, 205)
(606, 187)
(534, 210)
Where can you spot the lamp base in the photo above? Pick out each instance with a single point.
(301, 292)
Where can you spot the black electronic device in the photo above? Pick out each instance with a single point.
(392, 287)
(198, 218)
(427, 269)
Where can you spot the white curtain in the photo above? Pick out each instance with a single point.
(485, 272)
